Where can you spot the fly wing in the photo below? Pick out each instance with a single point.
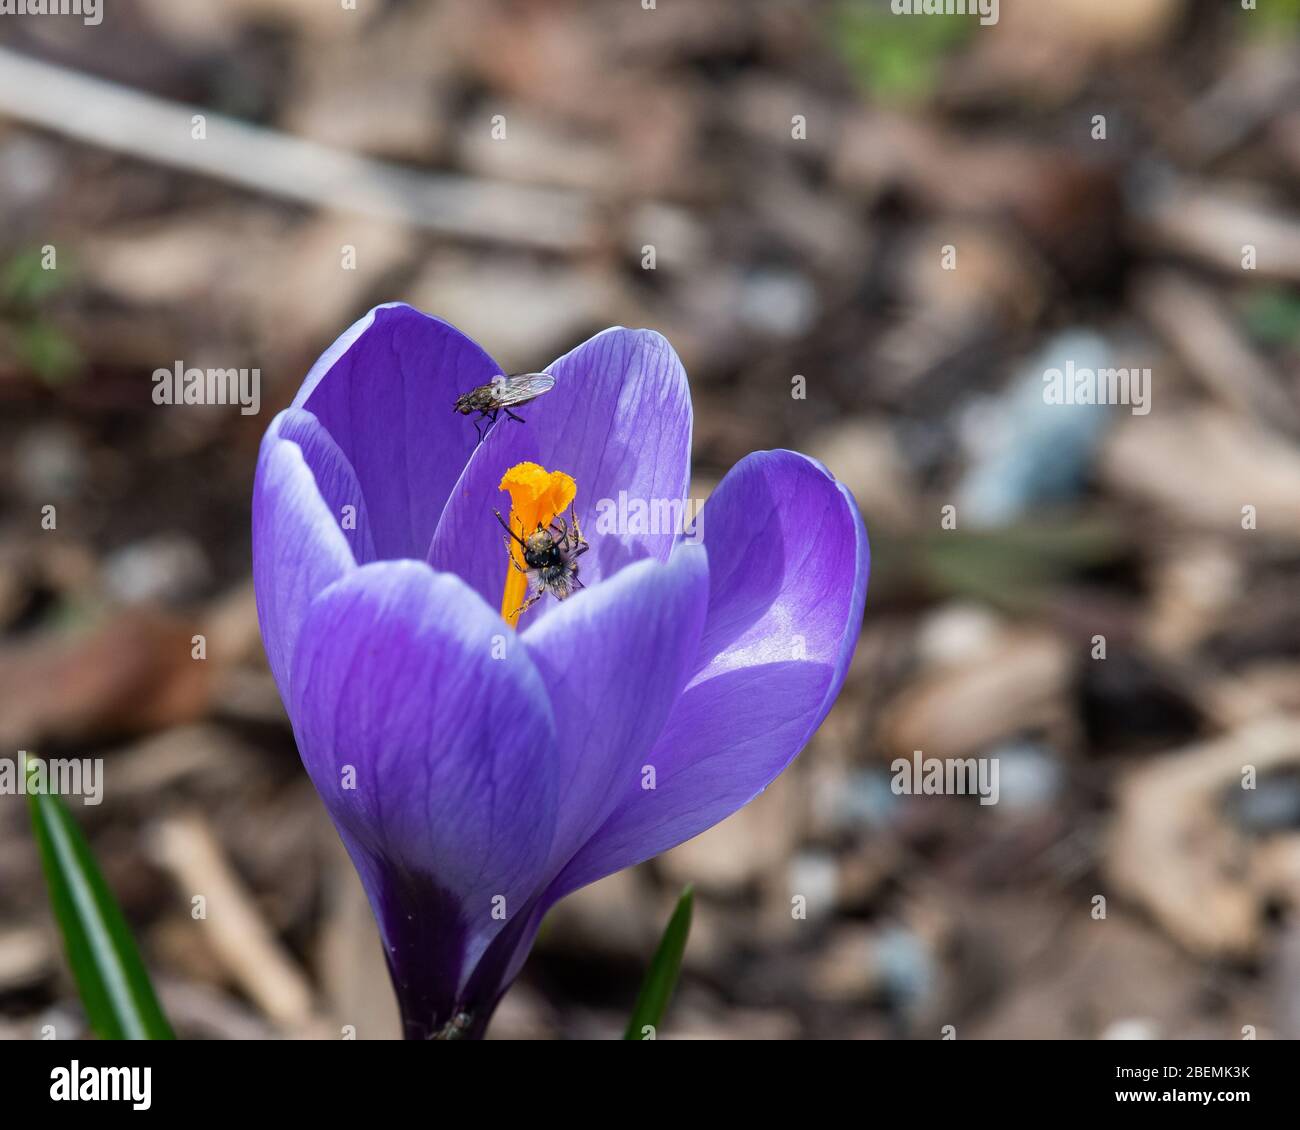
(522, 387)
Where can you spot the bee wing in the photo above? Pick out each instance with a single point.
(522, 387)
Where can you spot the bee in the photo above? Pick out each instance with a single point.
(550, 558)
(501, 394)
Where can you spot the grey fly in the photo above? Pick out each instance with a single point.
(501, 394)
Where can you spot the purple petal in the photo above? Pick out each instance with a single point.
(788, 562)
(335, 478)
(408, 682)
(468, 541)
(385, 391)
(615, 659)
(298, 547)
(618, 419)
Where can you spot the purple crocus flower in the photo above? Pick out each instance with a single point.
(477, 774)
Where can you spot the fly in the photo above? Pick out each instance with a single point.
(501, 394)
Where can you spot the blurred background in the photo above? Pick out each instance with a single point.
(778, 186)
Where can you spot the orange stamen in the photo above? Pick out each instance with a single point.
(536, 497)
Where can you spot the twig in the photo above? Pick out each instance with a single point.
(154, 129)
(237, 932)
(1191, 317)
(1215, 225)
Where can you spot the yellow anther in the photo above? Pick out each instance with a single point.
(536, 497)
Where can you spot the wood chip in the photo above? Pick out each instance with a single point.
(238, 934)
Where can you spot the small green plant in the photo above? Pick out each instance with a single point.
(894, 59)
(115, 989)
(26, 289)
(1272, 315)
(661, 977)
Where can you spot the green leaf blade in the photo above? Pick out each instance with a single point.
(665, 967)
(111, 978)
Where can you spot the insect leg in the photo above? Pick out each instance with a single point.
(582, 544)
(513, 416)
(509, 553)
(527, 604)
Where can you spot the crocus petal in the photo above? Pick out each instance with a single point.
(469, 541)
(727, 741)
(385, 391)
(788, 562)
(427, 732)
(615, 659)
(298, 547)
(335, 478)
(618, 419)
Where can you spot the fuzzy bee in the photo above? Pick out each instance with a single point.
(550, 558)
(501, 394)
